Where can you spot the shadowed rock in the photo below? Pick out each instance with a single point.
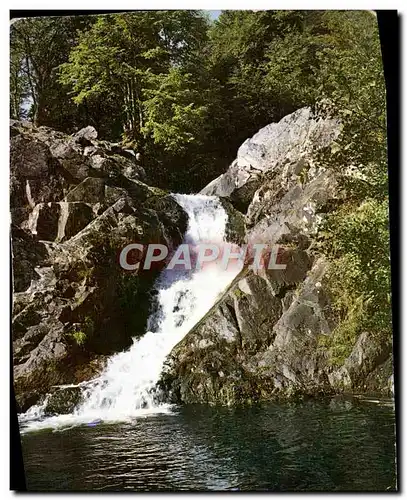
(90, 190)
(73, 303)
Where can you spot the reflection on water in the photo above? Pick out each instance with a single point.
(339, 444)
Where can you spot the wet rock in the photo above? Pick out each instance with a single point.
(381, 379)
(63, 400)
(366, 366)
(25, 401)
(235, 227)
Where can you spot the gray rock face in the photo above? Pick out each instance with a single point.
(86, 135)
(59, 221)
(41, 153)
(30, 163)
(236, 225)
(74, 168)
(69, 226)
(286, 144)
(369, 355)
(262, 340)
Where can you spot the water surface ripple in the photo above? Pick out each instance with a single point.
(337, 444)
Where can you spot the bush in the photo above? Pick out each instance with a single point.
(357, 241)
(79, 336)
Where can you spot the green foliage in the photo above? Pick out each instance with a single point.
(238, 293)
(86, 273)
(357, 234)
(358, 245)
(79, 336)
(37, 47)
(175, 110)
(188, 92)
(81, 333)
(124, 55)
(351, 76)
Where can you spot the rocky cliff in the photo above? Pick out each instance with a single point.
(264, 339)
(75, 202)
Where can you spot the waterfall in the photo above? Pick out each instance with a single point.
(126, 387)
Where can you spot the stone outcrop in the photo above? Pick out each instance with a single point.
(368, 367)
(73, 304)
(262, 340)
(286, 147)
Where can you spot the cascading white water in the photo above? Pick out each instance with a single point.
(126, 388)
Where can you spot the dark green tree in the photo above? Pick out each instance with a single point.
(38, 46)
(126, 57)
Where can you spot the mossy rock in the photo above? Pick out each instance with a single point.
(63, 400)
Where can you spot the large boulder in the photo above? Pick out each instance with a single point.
(286, 145)
(367, 367)
(31, 163)
(114, 166)
(59, 221)
(62, 400)
(86, 136)
(90, 190)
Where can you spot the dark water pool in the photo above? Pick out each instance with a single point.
(332, 445)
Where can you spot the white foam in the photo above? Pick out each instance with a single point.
(126, 388)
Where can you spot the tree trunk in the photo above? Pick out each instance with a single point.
(138, 115)
(40, 116)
